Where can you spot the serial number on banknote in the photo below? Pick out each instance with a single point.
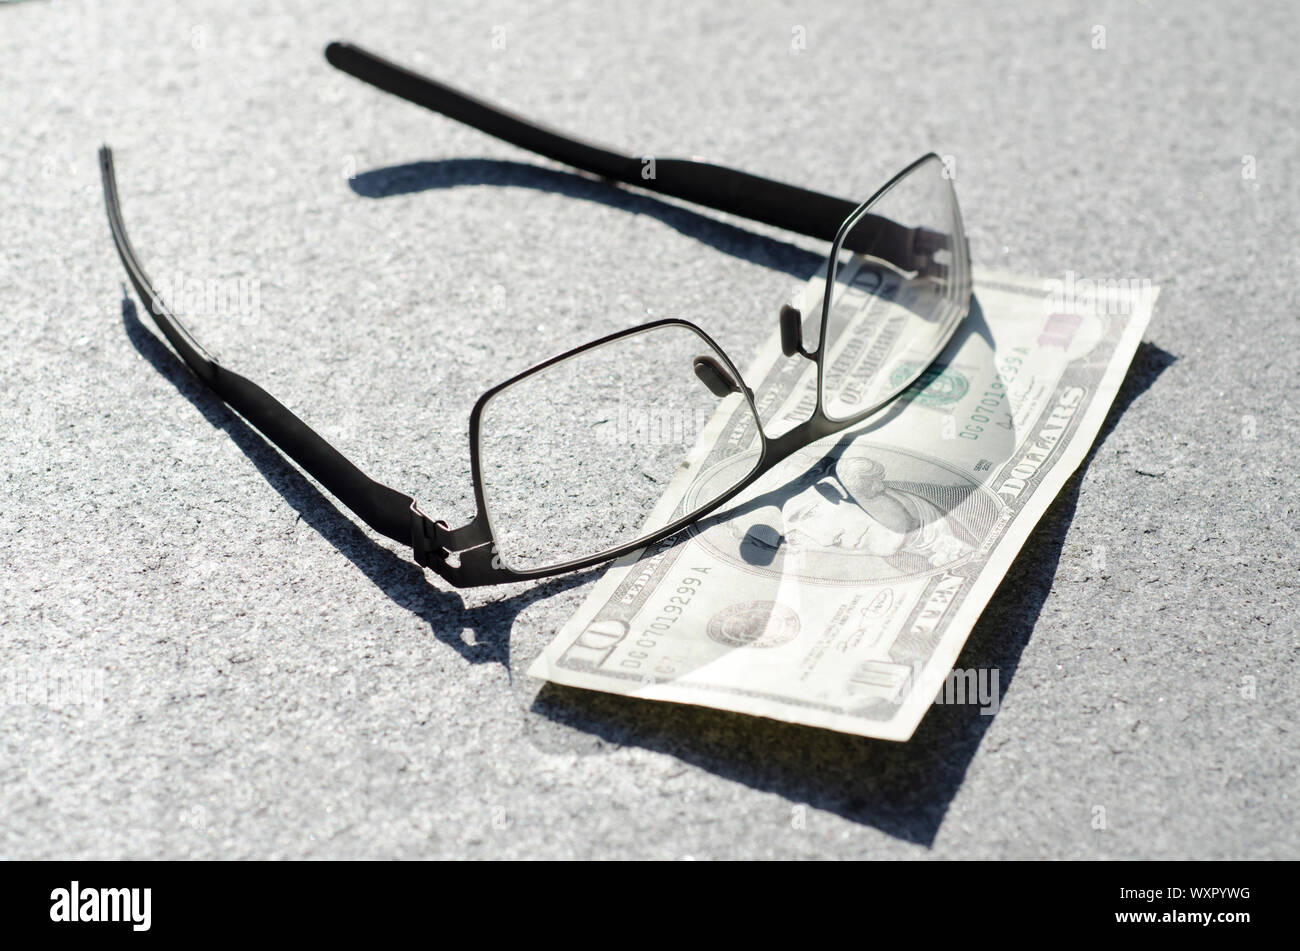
(994, 398)
(669, 614)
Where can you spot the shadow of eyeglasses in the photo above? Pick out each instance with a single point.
(772, 253)
(401, 580)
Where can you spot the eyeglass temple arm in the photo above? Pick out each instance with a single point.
(738, 193)
(386, 510)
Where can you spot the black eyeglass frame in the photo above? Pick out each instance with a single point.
(467, 556)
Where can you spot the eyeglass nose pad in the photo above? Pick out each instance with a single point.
(714, 377)
(791, 330)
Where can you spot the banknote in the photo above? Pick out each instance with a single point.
(838, 590)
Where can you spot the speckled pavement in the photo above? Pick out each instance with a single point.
(204, 656)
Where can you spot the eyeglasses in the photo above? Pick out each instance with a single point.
(570, 458)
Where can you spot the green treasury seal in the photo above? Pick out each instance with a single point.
(939, 385)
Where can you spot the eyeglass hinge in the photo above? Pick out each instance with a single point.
(429, 539)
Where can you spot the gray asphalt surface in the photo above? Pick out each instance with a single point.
(278, 682)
